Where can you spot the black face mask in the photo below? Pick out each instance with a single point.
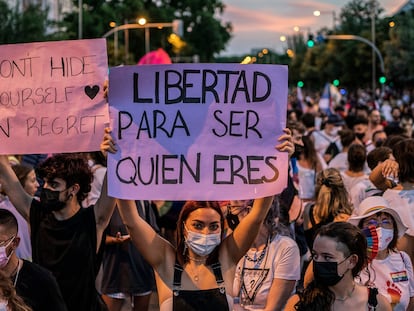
(50, 200)
(360, 136)
(326, 273)
(232, 220)
(299, 149)
(379, 142)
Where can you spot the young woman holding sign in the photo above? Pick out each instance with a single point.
(198, 274)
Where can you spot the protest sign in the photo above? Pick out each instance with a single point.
(197, 131)
(51, 96)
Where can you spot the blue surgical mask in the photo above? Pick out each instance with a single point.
(202, 244)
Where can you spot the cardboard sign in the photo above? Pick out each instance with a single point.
(51, 96)
(197, 131)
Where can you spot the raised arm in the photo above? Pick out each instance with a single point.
(152, 246)
(239, 242)
(14, 190)
(105, 205)
(245, 233)
(380, 173)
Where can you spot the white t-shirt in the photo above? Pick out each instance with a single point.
(361, 191)
(393, 276)
(281, 261)
(323, 140)
(340, 161)
(350, 181)
(403, 202)
(24, 250)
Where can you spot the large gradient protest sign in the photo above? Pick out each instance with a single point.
(51, 96)
(197, 131)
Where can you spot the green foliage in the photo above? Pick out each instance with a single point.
(29, 26)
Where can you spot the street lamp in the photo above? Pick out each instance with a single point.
(143, 22)
(113, 25)
(176, 25)
(318, 13)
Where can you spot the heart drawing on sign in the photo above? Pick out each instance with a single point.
(91, 91)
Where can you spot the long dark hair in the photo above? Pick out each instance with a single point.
(351, 240)
(187, 209)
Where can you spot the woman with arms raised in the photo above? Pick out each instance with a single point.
(198, 274)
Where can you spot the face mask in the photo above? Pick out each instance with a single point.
(202, 244)
(360, 136)
(334, 131)
(50, 200)
(385, 237)
(232, 220)
(379, 142)
(4, 259)
(299, 149)
(327, 272)
(3, 305)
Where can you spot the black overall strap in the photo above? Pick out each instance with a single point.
(219, 277)
(178, 270)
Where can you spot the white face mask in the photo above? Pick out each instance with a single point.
(3, 305)
(334, 131)
(385, 237)
(202, 244)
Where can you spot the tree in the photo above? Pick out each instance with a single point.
(19, 27)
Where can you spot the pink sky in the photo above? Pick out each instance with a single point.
(260, 23)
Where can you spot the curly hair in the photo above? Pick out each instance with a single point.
(331, 195)
(72, 168)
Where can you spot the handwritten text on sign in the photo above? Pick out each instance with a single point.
(197, 131)
(51, 96)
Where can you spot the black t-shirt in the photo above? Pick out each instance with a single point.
(38, 288)
(67, 248)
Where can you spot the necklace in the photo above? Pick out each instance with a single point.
(342, 299)
(259, 258)
(248, 293)
(193, 275)
(197, 260)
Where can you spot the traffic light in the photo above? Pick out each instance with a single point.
(300, 84)
(382, 79)
(335, 82)
(310, 42)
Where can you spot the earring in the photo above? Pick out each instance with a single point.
(185, 248)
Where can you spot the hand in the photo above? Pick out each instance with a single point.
(287, 144)
(390, 168)
(105, 89)
(121, 238)
(108, 144)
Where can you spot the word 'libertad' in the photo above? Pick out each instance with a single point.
(222, 86)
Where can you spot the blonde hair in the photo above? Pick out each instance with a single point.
(8, 292)
(331, 195)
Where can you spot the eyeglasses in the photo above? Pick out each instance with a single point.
(6, 242)
(384, 223)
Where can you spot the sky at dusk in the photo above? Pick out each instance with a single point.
(260, 23)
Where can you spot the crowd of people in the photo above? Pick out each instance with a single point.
(340, 236)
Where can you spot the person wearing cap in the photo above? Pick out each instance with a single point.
(327, 141)
(390, 270)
